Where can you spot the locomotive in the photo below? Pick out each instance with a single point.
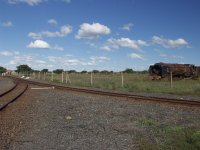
(163, 70)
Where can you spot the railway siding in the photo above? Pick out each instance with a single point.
(5, 84)
(188, 102)
(56, 119)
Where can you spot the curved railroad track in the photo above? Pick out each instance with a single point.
(115, 94)
(12, 94)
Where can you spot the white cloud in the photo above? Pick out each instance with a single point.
(8, 53)
(22, 59)
(123, 42)
(64, 31)
(31, 60)
(29, 2)
(92, 31)
(40, 62)
(136, 56)
(44, 45)
(37, 61)
(168, 43)
(35, 2)
(7, 24)
(65, 61)
(127, 27)
(39, 44)
(106, 48)
(52, 22)
(175, 57)
(97, 59)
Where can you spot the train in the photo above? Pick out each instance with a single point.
(164, 70)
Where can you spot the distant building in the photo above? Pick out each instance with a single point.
(9, 72)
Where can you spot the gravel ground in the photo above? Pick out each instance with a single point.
(52, 119)
(5, 84)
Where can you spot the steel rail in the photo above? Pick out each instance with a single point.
(11, 89)
(13, 99)
(114, 94)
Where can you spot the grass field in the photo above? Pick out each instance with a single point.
(131, 82)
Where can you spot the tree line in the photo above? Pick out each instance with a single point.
(26, 68)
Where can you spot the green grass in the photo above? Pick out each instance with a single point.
(169, 137)
(132, 83)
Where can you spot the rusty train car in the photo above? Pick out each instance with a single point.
(163, 70)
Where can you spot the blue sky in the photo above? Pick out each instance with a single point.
(98, 34)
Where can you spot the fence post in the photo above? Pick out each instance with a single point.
(44, 76)
(39, 75)
(66, 77)
(91, 79)
(122, 79)
(69, 79)
(52, 76)
(62, 77)
(171, 80)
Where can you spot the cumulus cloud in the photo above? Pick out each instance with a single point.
(123, 42)
(39, 44)
(44, 45)
(168, 43)
(127, 27)
(136, 56)
(92, 31)
(64, 31)
(52, 22)
(7, 24)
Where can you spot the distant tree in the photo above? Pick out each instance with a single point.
(84, 71)
(95, 71)
(128, 70)
(36, 71)
(44, 70)
(2, 69)
(105, 71)
(71, 71)
(58, 71)
(23, 68)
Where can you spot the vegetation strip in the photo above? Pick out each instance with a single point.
(128, 96)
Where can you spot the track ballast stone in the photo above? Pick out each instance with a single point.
(52, 119)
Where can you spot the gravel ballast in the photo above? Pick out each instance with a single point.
(5, 84)
(52, 119)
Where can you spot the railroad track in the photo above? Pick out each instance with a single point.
(12, 94)
(114, 94)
